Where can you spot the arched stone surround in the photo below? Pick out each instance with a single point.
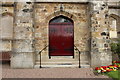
(31, 31)
(117, 18)
(81, 25)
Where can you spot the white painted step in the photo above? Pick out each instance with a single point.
(82, 57)
(55, 66)
(84, 64)
(62, 62)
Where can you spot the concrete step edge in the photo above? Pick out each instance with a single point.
(82, 66)
(63, 62)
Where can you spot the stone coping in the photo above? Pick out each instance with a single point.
(4, 1)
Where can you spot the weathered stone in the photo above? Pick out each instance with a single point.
(23, 47)
(6, 45)
(22, 60)
(30, 33)
(27, 10)
(23, 33)
(98, 49)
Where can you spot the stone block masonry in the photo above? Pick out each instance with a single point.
(44, 12)
(100, 43)
(30, 33)
(23, 48)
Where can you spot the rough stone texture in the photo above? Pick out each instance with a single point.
(22, 60)
(6, 45)
(115, 17)
(44, 12)
(23, 48)
(100, 49)
(31, 25)
(62, 0)
(6, 28)
(8, 1)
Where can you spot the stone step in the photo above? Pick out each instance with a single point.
(84, 64)
(55, 66)
(63, 58)
(82, 57)
(62, 62)
(58, 56)
(56, 60)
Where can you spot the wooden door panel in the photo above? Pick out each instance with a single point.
(61, 40)
(54, 39)
(67, 39)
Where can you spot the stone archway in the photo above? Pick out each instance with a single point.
(76, 30)
(116, 24)
(64, 13)
(61, 36)
(81, 30)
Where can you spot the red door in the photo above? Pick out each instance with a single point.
(61, 37)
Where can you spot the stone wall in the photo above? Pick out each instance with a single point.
(100, 43)
(114, 13)
(23, 45)
(44, 12)
(6, 27)
(31, 24)
(116, 17)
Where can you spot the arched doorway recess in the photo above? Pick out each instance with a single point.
(61, 36)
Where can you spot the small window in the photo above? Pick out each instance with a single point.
(113, 25)
(61, 19)
(113, 28)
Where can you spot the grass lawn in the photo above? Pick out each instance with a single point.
(114, 74)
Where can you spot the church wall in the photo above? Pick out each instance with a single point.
(31, 24)
(44, 12)
(115, 14)
(6, 28)
(100, 42)
(23, 44)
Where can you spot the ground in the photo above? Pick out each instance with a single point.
(7, 72)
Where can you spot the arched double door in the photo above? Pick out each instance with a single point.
(61, 37)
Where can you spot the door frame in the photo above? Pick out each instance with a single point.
(49, 35)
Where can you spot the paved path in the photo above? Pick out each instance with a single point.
(49, 73)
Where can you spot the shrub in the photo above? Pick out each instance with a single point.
(115, 48)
